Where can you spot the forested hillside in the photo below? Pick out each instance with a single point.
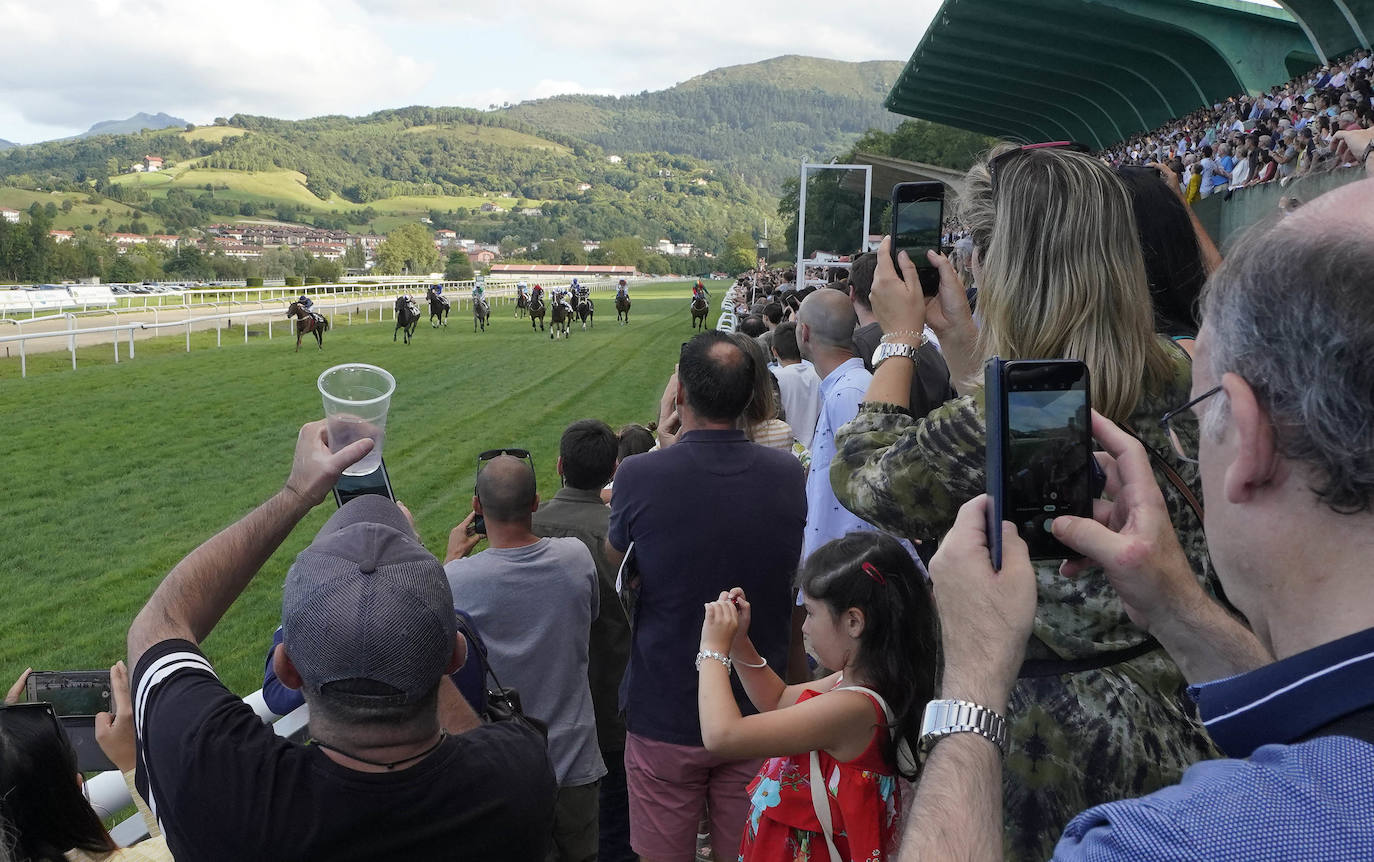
(758, 121)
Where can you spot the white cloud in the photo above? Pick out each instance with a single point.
(68, 64)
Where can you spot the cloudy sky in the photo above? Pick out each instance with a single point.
(65, 64)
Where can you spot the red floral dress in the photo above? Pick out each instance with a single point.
(865, 806)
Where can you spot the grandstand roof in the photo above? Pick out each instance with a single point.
(1094, 71)
(1335, 27)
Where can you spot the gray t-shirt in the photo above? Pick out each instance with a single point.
(534, 607)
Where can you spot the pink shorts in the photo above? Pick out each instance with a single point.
(672, 786)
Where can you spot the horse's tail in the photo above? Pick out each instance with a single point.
(324, 323)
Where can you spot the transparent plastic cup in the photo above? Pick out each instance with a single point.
(356, 399)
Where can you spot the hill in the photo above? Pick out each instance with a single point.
(757, 120)
(5, 145)
(137, 123)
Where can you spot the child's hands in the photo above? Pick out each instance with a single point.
(736, 597)
(721, 623)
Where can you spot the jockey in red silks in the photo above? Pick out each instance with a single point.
(538, 292)
(699, 291)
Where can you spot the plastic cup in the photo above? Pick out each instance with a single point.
(356, 399)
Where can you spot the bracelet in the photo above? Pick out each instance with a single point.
(890, 337)
(712, 654)
(763, 663)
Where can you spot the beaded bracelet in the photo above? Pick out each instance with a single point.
(712, 654)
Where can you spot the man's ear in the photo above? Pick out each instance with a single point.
(681, 397)
(535, 505)
(286, 671)
(1256, 460)
(460, 654)
(558, 465)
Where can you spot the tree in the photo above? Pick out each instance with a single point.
(408, 249)
(622, 250)
(459, 267)
(327, 271)
(354, 256)
(740, 253)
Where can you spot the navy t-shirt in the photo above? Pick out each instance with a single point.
(711, 512)
(223, 786)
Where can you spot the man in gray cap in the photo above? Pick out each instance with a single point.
(400, 767)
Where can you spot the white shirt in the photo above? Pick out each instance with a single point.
(841, 392)
(800, 388)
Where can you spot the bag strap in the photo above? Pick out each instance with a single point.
(821, 803)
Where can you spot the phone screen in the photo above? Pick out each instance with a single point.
(1048, 437)
(75, 692)
(376, 482)
(918, 211)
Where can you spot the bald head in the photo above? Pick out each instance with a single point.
(829, 315)
(506, 489)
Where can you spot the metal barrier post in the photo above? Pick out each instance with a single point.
(188, 333)
(131, 342)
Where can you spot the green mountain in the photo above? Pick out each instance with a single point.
(137, 123)
(5, 145)
(758, 121)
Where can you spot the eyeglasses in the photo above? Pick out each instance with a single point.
(1184, 440)
(492, 454)
(32, 713)
(1000, 161)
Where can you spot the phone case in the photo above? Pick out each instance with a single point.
(995, 457)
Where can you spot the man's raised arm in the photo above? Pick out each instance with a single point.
(196, 593)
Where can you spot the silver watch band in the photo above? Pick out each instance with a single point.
(947, 717)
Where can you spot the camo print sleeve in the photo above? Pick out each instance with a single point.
(910, 476)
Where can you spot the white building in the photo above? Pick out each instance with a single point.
(9, 215)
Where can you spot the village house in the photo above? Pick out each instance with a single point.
(61, 235)
(482, 256)
(167, 240)
(9, 215)
(490, 207)
(152, 163)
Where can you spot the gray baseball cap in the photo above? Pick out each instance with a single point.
(367, 614)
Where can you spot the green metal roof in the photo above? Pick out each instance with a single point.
(1335, 27)
(1093, 71)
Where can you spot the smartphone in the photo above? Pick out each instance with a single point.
(71, 692)
(479, 525)
(376, 482)
(918, 217)
(1039, 455)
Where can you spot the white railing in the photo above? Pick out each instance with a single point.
(343, 299)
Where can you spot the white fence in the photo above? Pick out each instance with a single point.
(331, 300)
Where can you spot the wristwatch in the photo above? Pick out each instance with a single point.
(947, 717)
(888, 350)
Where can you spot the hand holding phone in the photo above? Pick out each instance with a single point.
(918, 214)
(1039, 450)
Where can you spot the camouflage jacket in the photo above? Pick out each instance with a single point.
(1078, 739)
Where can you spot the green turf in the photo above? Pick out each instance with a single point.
(117, 471)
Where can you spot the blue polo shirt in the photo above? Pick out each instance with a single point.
(1304, 791)
(711, 512)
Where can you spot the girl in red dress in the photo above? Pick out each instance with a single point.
(869, 613)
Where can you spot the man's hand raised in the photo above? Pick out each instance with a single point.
(316, 469)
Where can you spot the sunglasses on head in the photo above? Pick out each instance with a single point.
(491, 454)
(999, 162)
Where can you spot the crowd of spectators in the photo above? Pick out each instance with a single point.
(721, 636)
(1323, 120)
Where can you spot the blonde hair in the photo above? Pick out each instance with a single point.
(1062, 272)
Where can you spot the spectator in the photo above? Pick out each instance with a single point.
(632, 440)
(930, 384)
(753, 326)
(43, 812)
(1286, 458)
(826, 329)
(534, 600)
(1286, 156)
(586, 461)
(1061, 276)
(394, 743)
(772, 317)
(869, 614)
(1213, 174)
(670, 505)
(760, 420)
(798, 384)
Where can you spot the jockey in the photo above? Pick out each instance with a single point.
(438, 289)
(538, 292)
(478, 292)
(306, 301)
(521, 289)
(699, 291)
(622, 289)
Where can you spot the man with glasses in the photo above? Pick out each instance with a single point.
(1283, 383)
(534, 600)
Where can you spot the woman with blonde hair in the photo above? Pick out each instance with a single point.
(1098, 712)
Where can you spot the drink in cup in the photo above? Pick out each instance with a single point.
(356, 399)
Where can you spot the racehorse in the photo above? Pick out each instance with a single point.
(562, 315)
(537, 312)
(481, 311)
(699, 311)
(407, 317)
(438, 307)
(307, 322)
(586, 311)
(622, 308)
(522, 302)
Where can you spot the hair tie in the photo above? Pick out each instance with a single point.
(872, 571)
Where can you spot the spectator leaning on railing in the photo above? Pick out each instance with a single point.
(1282, 389)
(399, 766)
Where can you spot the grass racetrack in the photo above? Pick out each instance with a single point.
(115, 472)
